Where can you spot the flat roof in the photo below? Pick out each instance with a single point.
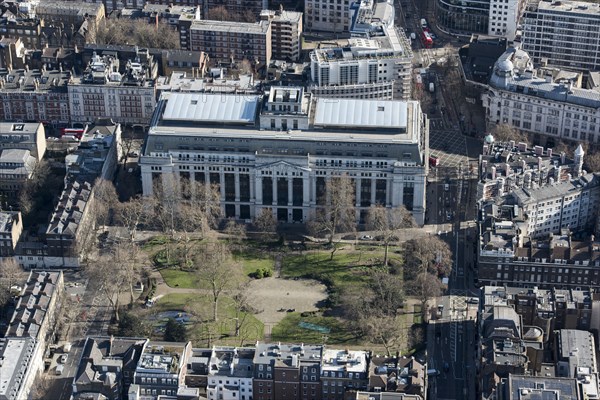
(367, 113)
(253, 28)
(201, 107)
(14, 360)
(19, 127)
(571, 7)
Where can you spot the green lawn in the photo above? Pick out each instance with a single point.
(289, 330)
(251, 329)
(249, 262)
(348, 267)
(175, 301)
(174, 277)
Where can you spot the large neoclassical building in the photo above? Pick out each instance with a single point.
(277, 151)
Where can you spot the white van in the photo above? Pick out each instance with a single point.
(59, 369)
(423, 22)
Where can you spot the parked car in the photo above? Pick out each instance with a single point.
(366, 237)
(63, 358)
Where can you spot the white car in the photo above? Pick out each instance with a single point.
(63, 358)
(366, 237)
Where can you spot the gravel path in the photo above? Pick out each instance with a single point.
(268, 295)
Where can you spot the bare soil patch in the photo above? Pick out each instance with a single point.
(271, 295)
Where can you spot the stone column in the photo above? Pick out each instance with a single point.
(258, 188)
(313, 190)
(147, 181)
(274, 179)
(373, 187)
(237, 185)
(306, 191)
(388, 192)
(222, 184)
(357, 192)
(290, 182)
(397, 191)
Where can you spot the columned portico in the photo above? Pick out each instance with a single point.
(381, 145)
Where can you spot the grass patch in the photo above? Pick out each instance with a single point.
(417, 317)
(348, 268)
(289, 330)
(174, 277)
(155, 241)
(252, 260)
(222, 331)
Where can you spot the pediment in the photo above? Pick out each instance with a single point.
(282, 168)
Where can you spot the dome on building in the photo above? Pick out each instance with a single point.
(505, 66)
(489, 138)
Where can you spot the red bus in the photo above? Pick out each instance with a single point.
(434, 161)
(426, 40)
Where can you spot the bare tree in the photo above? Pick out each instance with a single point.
(130, 258)
(126, 144)
(218, 13)
(10, 274)
(105, 201)
(591, 161)
(198, 212)
(426, 286)
(338, 215)
(387, 292)
(165, 202)
(216, 267)
(386, 330)
(39, 177)
(386, 222)
(132, 214)
(431, 255)
(141, 33)
(245, 67)
(110, 279)
(506, 133)
(236, 234)
(242, 309)
(265, 221)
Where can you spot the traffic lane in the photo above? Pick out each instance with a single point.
(442, 355)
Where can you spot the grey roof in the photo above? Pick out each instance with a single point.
(578, 348)
(512, 72)
(269, 353)
(6, 220)
(16, 358)
(104, 358)
(213, 108)
(542, 388)
(258, 28)
(80, 8)
(18, 127)
(581, 8)
(525, 196)
(368, 113)
(18, 156)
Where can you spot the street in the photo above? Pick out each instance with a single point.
(92, 317)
